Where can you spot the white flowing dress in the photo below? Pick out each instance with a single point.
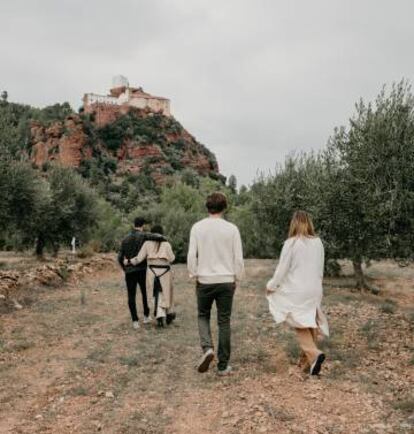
(297, 285)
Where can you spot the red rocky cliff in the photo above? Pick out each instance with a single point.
(76, 139)
(62, 142)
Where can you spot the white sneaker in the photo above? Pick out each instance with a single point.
(205, 361)
(224, 372)
(147, 319)
(135, 325)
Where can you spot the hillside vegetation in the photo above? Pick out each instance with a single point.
(359, 188)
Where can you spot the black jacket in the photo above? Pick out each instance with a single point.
(131, 246)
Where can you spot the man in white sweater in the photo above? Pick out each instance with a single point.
(215, 259)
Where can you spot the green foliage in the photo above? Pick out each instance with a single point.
(359, 190)
(110, 227)
(52, 113)
(178, 208)
(245, 219)
(69, 210)
(295, 185)
(15, 123)
(21, 192)
(190, 177)
(371, 187)
(48, 210)
(140, 129)
(232, 183)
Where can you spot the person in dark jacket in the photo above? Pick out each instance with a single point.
(136, 273)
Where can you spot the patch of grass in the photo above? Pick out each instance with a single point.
(370, 331)
(389, 306)
(86, 319)
(333, 347)
(292, 348)
(410, 316)
(406, 405)
(85, 251)
(339, 297)
(153, 421)
(278, 413)
(64, 272)
(130, 360)
(79, 391)
(49, 307)
(337, 372)
(22, 345)
(100, 354)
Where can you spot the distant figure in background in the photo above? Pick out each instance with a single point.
(215, 259)
(73, 244)
(295, 290)
(159, 256)
(136, 274)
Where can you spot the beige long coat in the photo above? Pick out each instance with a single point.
(158, 254)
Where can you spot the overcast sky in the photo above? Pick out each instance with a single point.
(253, 80)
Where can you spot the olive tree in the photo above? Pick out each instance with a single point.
(369, 198)
(69, 208)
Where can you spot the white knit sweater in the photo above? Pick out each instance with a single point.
(215, 253)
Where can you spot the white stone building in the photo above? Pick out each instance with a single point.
(122, 94)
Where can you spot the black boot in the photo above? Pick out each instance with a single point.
(171, 317)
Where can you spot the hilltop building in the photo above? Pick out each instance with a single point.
(123, 95)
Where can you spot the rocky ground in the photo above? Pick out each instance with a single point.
(70, 361)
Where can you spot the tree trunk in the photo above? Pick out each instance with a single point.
(40, 245)
(55, 250)
(359, 274)
(361, 283)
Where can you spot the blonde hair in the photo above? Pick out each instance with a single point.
(301, 225)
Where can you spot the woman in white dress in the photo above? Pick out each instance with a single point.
(295, 290)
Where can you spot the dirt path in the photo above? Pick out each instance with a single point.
(72, 368)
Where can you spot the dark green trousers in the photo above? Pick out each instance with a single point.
(222, 294)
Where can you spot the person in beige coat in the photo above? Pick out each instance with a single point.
(159, 256)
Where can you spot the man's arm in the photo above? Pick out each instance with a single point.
(192, 254)
(143, 253)
(148, 236)
(238, 256)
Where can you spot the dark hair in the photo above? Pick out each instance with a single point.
(157, 229)
(216, 202)
(139, 222)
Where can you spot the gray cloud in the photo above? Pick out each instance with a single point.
(253, 80)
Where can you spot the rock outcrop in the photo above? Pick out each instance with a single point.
(51, 274)
(136, 141)
(63, 142)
